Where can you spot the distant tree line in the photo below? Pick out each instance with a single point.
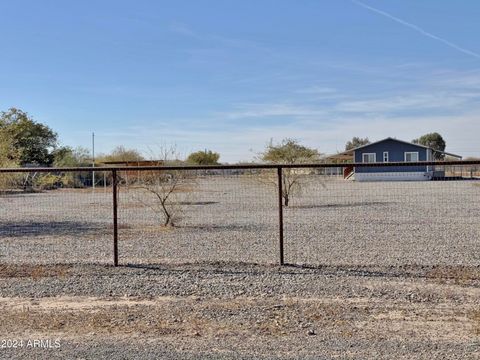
(25, 142)
(356, 142)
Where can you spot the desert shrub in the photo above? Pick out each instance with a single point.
(48, 182)
(167, 193)
(164, 192)
(289, 151)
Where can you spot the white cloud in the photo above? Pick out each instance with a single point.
(458, 80)
(416, 101)
(268, 110)
(183, 29)
(418, 29)
(317, 90)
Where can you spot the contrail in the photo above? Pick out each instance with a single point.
(418, 29)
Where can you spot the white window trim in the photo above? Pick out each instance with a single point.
(429, 158)
(412, 152)
(388, 156)
(374, 157)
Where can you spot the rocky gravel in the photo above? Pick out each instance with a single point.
(224, 280)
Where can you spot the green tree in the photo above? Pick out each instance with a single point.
(356, 142)
(34, 142)
(65, 156)
(433, 140)
(120, 153)
(8, 155)
(289, 151)
(8, 159)
(203, 158)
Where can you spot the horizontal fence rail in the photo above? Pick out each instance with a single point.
(304, 214)
(237, 167)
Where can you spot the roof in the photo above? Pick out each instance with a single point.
(351, 151)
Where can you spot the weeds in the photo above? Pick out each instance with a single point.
(33, 271)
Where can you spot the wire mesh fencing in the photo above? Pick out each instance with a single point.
(329, 215)
(45, 221)
(197, 215)
(330, 221)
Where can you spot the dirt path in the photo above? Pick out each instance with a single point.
(222, 311)
(195, 324)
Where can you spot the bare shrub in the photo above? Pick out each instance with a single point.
(167, 189)
(164, 192)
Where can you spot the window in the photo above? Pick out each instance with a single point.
(385, 156)
(369, 158)
(411, 157)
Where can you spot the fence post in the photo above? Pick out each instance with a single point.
(115, 218)
(280, 213)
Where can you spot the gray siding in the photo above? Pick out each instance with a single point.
(396, 152)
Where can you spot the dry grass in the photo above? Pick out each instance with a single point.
(476, 321)
(460, 275)
(239, 317)
(187, 317)
(33, 271)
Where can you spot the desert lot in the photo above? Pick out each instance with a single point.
(376, 270)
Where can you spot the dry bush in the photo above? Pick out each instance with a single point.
(48, 182)
(8, 181)
(164, 193)
(8, 159)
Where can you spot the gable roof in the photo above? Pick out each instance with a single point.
(351, 151)
(390, 138)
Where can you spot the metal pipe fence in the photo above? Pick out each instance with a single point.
(304, 214)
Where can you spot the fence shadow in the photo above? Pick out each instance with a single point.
(41, 228)
(458, 274)
(445, 272)
(346, 205)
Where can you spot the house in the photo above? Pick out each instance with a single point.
(392, 150)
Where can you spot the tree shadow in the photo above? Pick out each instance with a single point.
(18, 193)
(197, 202)
(225, 227)
(347, 205)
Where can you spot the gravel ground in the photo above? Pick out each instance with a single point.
(227, 311)
(382, 270)
(332, 222)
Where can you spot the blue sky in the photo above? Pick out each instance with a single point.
(230, 75)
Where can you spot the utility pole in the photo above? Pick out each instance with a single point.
(93, 160)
